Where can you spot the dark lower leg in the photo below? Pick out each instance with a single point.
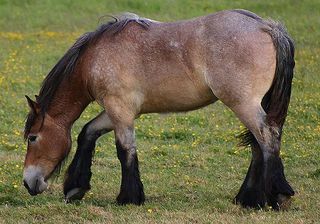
(78, 175)
(131, 190)
(278, 190)
(252, 193)
(265, 183)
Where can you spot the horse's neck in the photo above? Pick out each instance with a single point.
(71, 98)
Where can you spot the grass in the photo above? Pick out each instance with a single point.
(190, 165)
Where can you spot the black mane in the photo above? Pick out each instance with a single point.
(67, 63)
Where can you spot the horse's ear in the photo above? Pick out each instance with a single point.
(37, 98)
(33, 105)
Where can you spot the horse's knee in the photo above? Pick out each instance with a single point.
(95, 128)
(84, 133)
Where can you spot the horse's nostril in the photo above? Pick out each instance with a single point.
(36, 186)
(31, 192)
(26, 185)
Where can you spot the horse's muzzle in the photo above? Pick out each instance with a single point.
(34, 181)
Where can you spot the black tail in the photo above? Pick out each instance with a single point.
(276, 100)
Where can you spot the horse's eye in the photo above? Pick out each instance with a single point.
(32, 138)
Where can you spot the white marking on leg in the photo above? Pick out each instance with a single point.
(127, 140)
(102, 121)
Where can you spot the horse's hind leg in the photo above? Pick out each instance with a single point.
(251, 193)
(77, 180)
(265, 181)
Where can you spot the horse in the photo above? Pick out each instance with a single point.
(133, 65)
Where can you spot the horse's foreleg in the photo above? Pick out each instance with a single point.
(77, 180)
(131, 190)
(122, 114)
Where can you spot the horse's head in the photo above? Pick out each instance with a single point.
(48, 144)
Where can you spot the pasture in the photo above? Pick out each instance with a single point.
(189, 162)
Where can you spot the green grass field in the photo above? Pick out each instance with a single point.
(190, 165)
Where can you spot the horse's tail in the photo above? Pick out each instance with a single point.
(276, 100)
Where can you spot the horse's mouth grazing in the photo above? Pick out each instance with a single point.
(41, 183)
(38, 189)
(36, 185)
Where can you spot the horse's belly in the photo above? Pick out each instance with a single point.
(177, 99)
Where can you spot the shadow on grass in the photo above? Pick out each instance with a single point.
(20, 199)
(316, 174)
(102, 202)
(12, 201)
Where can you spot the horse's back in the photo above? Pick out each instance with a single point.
(230, 53)
(185, 65)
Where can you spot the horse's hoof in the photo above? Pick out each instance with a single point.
(251, 198)
(136, 199)
(74, 194)
(126, 201)
(283, 202)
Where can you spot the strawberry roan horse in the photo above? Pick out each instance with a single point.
(133, 65)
